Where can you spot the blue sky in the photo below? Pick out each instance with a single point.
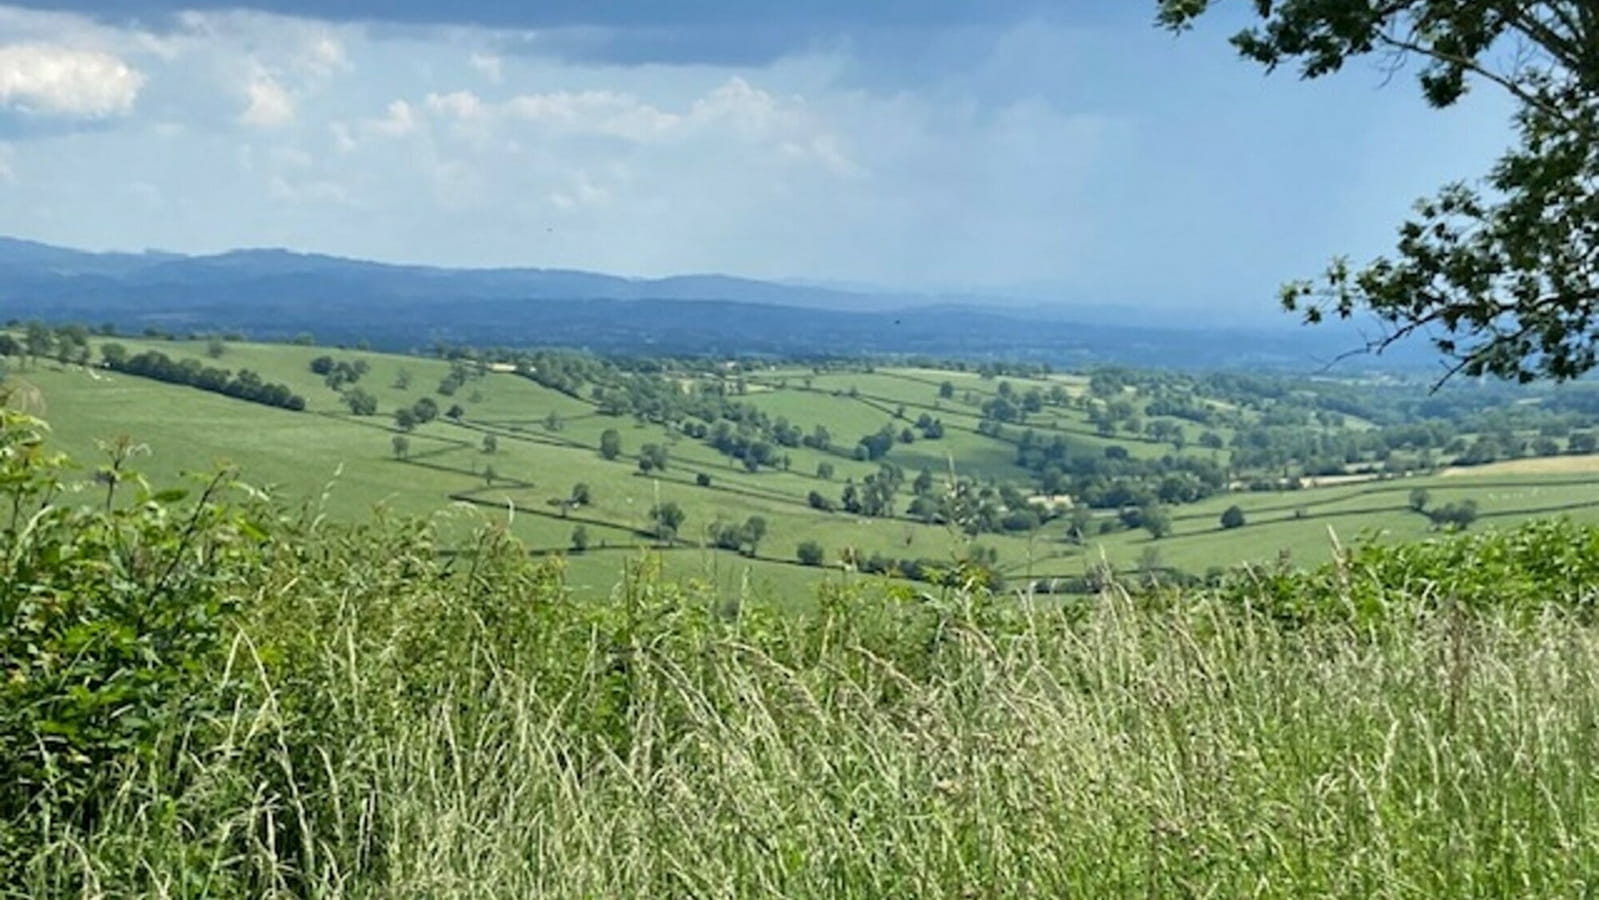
(1067, 151)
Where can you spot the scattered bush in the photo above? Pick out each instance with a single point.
(1456, 515)
(810, 553)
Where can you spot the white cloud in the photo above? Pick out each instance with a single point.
(269, 104)
(599, 112)
(398, 122)
(83, 33)
(310, 192)
(304, 46)
(583, 191)
(576, 111)
(456, 104)
(735, 108)
(53, 80)
(322, 55)
(751, 110)
(823, 149)
(489, 66)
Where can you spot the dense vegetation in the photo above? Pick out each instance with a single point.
(217, 695)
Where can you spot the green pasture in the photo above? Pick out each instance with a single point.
(349, 465)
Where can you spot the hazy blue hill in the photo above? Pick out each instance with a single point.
(272, 293)
(21, 258)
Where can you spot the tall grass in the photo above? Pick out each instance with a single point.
(386, 722)
(1132, 752)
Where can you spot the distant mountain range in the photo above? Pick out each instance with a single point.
(271, 294)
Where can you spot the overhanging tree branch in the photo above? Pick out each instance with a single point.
(1507, 270)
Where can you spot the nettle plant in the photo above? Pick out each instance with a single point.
(115, 605)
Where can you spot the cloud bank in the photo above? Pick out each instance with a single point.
(1070, 153)
(51, 80)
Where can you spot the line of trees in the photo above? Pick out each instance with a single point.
(66, 344)
(1459, 514)
(242, 385)
(981, 564)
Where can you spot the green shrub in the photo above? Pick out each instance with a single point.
(117, 616)
(1547, 565)
(810, 553)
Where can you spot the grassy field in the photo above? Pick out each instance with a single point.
(1307, 524)
(547, 444)
(345, 712)
(1583, 464)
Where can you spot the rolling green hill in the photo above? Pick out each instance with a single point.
(545, 443)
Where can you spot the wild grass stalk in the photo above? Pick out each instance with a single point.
(1138, 752)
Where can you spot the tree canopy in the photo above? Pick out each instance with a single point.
(1502, 274)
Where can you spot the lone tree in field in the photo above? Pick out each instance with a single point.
(580, 539)
(1080, 521)
(810, 553)
(754, 531)
(667, 518)
(610, 443)
(1501, 274)
(38, 341)
(360, 402)
(1233, 517)
(402, 446)
(491, 444)
(1156, 520)
(1419, 498)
